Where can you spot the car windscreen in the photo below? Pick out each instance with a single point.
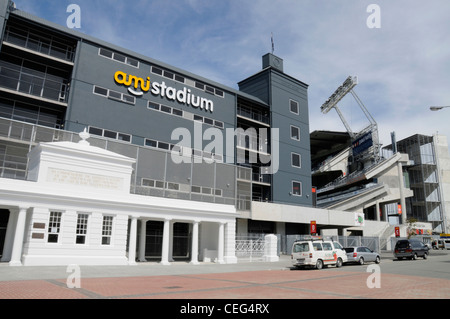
(301, 247)
(402, 244)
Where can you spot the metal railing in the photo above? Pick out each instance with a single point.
(25, 82)
(34, 42)
(17, 138)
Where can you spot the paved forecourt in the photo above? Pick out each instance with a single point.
(255, 280)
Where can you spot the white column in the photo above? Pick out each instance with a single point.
(402, 194)
(165, 243)
(142, 238)
(132, 241)
(194, 257)
(220, 248)
(171, 242)
(9, 237)
(16, 255)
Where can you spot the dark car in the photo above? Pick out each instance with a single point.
(409, 248)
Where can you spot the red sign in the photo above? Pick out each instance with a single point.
(397, 231)
(313, 227)
(399, 209)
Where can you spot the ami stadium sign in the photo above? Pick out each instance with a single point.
(138, 86)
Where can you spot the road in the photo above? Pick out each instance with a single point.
(183, 283)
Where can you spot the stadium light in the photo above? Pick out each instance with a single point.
(341, 91)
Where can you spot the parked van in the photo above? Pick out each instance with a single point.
(317, 253)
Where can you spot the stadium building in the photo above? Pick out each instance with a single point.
(169, 165)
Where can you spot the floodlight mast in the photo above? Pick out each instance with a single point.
(337, 96)
(341, 91)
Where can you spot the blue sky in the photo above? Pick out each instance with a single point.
(403, 67)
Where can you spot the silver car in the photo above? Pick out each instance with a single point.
(361, 255)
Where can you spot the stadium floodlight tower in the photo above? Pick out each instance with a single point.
(365, 139)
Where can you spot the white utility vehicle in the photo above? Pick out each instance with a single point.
(316, 252)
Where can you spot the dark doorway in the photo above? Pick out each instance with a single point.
(4, 217)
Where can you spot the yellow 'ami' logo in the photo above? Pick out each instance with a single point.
(132, 81)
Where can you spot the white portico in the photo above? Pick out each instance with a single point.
(76, 208)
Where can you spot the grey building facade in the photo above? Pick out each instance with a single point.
(55, 82)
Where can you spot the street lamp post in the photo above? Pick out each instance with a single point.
(437, 108)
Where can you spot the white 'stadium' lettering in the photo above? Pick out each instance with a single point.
(138, 86)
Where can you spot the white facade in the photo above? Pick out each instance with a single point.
(76, 208)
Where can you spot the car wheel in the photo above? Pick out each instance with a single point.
(414, 257)
(319, 264)
(361, 261)
(339, 263)
(425, 256)
(377, 260)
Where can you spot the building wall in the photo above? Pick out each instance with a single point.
(87, 108)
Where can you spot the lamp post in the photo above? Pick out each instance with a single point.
(437, 108)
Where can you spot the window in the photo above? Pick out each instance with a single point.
(118, 57)
(179, 78)
(114, 95)
(154, 106)
(95, 131)
(107, 230)
(317, 246)
(294, 106)
(82, 222)
(166, 109)
(157, 70)
(162, 145)
(133, 62)
(54, 225)
(327, 246)
(198, 118)
(208, 121)
(100, 91)
(296, 188)
(295, 133)
(105, 53)
(218, 124)
(151, 143)
(124, 137)
(296, 160)
(177, 112)
(148, 182)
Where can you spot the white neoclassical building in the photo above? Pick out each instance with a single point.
(76, 208)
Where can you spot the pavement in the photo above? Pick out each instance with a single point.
(183, 282)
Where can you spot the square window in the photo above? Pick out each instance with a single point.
(162, 145)
(110, 134)
(198, 118)
(199, 85)
(124, 137)
(100, 91)
(148, 182)
(95, 131)
(133, 62)
(105, 53)
(168, 74)
(151, 143)
(296, 160)
(128, 99)
(296, 188)
(179, 78)
(177, 112)
(295, 133)
(219, 124)
(294, 106)
(119, 57)
(157, 70)
(166, 109)
(115, 95)
(154, 106)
